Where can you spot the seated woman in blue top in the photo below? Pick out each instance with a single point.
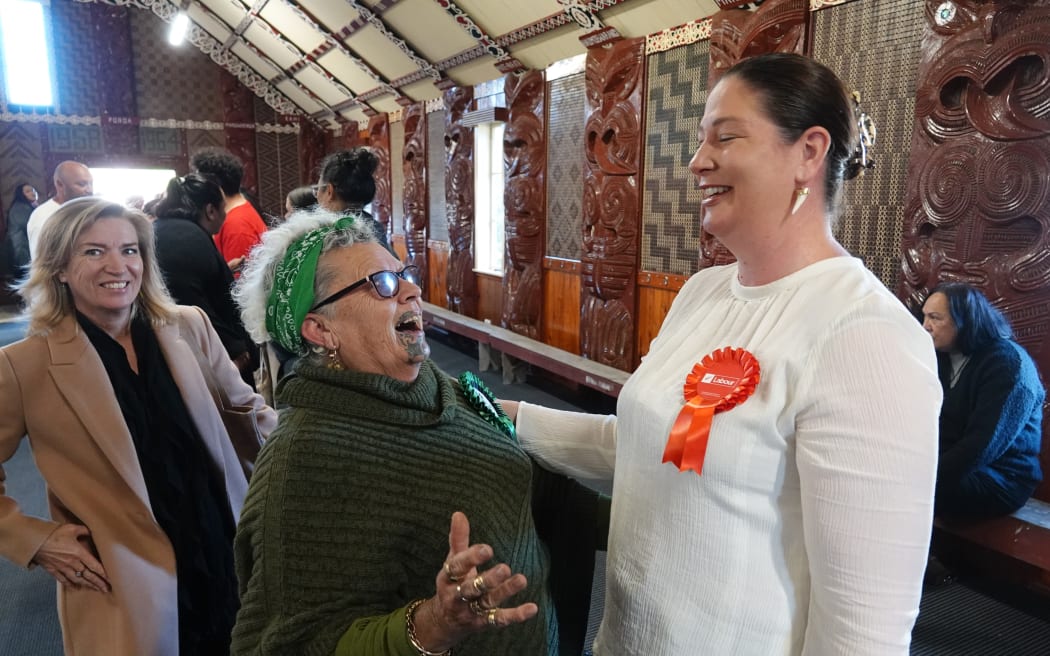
(991, 418)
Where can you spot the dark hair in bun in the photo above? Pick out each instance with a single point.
(350, 174)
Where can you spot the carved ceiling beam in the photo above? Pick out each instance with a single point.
(245, 23)
(285, 74)
(505, 62)
(332, 42)
(209, 45)
(373, 17)
(542, 26)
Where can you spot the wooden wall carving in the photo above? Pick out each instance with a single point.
(379, 143)
(351, 137)
(414, 163)
(459, 202)
(238, 109)
(615, 79)
(977, 207)
(525, 201)
(736, 35)
(312, 149)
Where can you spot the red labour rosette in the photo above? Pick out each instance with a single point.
(719, 382)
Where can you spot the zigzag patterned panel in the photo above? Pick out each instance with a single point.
(565, 168)
(671, 202)
(21, 160)
(436, 175)
(277, 156)
(178, 83)
(884, 72)
(201, 139)
(76, 61)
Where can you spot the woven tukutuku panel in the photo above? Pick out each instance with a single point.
(874, 48)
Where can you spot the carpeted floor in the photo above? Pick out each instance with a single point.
(960, 619)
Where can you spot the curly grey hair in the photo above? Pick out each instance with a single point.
(252, 290)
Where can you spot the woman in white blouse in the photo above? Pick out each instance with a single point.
(786, 508)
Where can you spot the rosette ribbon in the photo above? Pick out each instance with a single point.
(719, 382)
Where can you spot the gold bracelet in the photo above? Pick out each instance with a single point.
(410, 628)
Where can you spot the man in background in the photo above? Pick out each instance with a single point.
(243, 227)
(72, 180)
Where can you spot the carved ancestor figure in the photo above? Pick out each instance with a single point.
(978, 199)
(736, 34)
(525, 202)
(379, 143)
(611, 204)
(414, 167)
(459, 202)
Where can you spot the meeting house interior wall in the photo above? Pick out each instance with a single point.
(602, 217)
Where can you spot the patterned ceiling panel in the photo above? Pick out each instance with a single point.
(323, 54)
(502, 16)
(388, 60)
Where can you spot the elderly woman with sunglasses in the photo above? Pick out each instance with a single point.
(345, 544)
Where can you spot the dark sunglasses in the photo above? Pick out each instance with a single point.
(386, 284)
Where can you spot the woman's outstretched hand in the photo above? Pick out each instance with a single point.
(468, 600)
(66, 556)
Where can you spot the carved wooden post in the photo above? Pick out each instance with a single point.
(414, 165)
(977, 208)
(737, 34)
(311, 150)
(459, 202)
(379, 143)
(615, 79)
(525, 200)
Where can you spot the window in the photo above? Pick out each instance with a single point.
(26, 55)
(122, 185)
(488, 198)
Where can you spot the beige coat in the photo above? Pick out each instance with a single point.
(55, 389)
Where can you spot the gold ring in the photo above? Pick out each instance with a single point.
(492, 617)
(448, 573)
(477, 608)
(479, 584)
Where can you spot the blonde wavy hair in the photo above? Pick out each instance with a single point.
(48, 301)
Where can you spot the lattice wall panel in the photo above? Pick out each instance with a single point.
(671, 202)
(76, 58)
(565, 168)
(436, 176)
(278, 165)
(874, 48)
(264, 114)
(179, 83)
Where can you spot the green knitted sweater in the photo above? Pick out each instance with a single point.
(347, 516)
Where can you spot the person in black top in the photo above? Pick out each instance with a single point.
(196, 274)
(991, 417)
(144, 484)
(18, 213)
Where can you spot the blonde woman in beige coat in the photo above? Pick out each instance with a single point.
(102, 329)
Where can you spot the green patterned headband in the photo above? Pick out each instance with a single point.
(292, 294)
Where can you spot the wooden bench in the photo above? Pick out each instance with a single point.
(562, 363)
(1023, 537)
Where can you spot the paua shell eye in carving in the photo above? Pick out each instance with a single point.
(949, 16)
(945, 14)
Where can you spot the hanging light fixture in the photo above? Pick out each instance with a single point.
(179, 27)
